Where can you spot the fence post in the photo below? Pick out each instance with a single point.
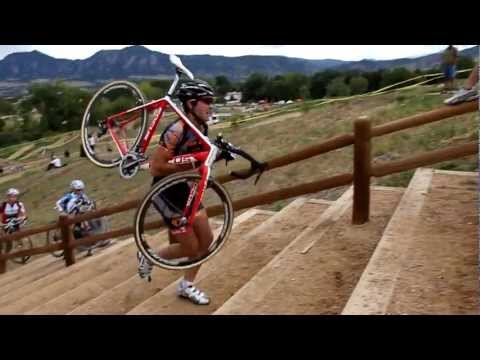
(3, 262)
(361, 172)
(67, 239)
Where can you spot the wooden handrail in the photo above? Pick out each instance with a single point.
(307, 188)
(427, 158)
(424, 118)
(33, 251)
(128, 205)
(244, 203)
(334, 143)
(22, 233)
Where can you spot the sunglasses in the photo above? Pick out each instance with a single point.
(207, 100)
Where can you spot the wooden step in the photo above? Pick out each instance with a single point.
(129, 293)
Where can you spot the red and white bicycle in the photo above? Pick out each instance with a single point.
(119, 110)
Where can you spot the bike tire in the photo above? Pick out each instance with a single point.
(26, 243)
(54, 236)
(164, 184)
(89, 152)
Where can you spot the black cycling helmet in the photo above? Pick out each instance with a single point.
(195, 89)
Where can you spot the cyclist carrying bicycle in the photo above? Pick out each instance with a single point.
(196, 97)
(71, 202)
(13, 211)
(68, 202)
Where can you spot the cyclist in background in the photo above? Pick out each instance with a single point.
(13, 209)
(71, 199)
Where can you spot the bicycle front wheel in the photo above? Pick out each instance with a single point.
(165, 202)
(113, 98)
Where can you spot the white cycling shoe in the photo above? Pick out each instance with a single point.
(188, 291)
(144, 267)
(462, 95)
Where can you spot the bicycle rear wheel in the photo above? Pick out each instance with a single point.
(96, 227)
(111, 99)
(22, 244)
(53, 237)
(148, 219)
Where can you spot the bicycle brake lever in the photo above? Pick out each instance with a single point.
(261, 167)
(257, 178)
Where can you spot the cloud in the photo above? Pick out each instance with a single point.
(272, 46)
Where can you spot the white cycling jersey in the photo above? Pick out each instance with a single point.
(68, 202)
(11, 211)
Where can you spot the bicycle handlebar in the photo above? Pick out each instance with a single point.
(255, 165)
(14, 222)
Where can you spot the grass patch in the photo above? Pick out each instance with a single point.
(397, 180)
(265, 142)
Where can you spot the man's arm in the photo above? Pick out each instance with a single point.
(159, 165)
(61, 201)
(22, 212)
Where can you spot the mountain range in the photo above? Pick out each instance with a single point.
(139, 61)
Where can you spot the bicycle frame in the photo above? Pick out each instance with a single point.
(206, 157)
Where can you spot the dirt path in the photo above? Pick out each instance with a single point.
(21, 151)
(441, 275)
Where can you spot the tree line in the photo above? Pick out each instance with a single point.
(54, 107)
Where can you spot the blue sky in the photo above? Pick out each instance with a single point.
(340, 52)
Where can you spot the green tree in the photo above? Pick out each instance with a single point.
(277, 88)
(61, 106)
(222, 85)
(6, 107)
(374, 79)
(162, 86)
(10, 138)
(151, 92)
(254, 88)
(320, 81)
(338, 87)
(465, 62)
(358, 85)
(395, 75)
(304, 92)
